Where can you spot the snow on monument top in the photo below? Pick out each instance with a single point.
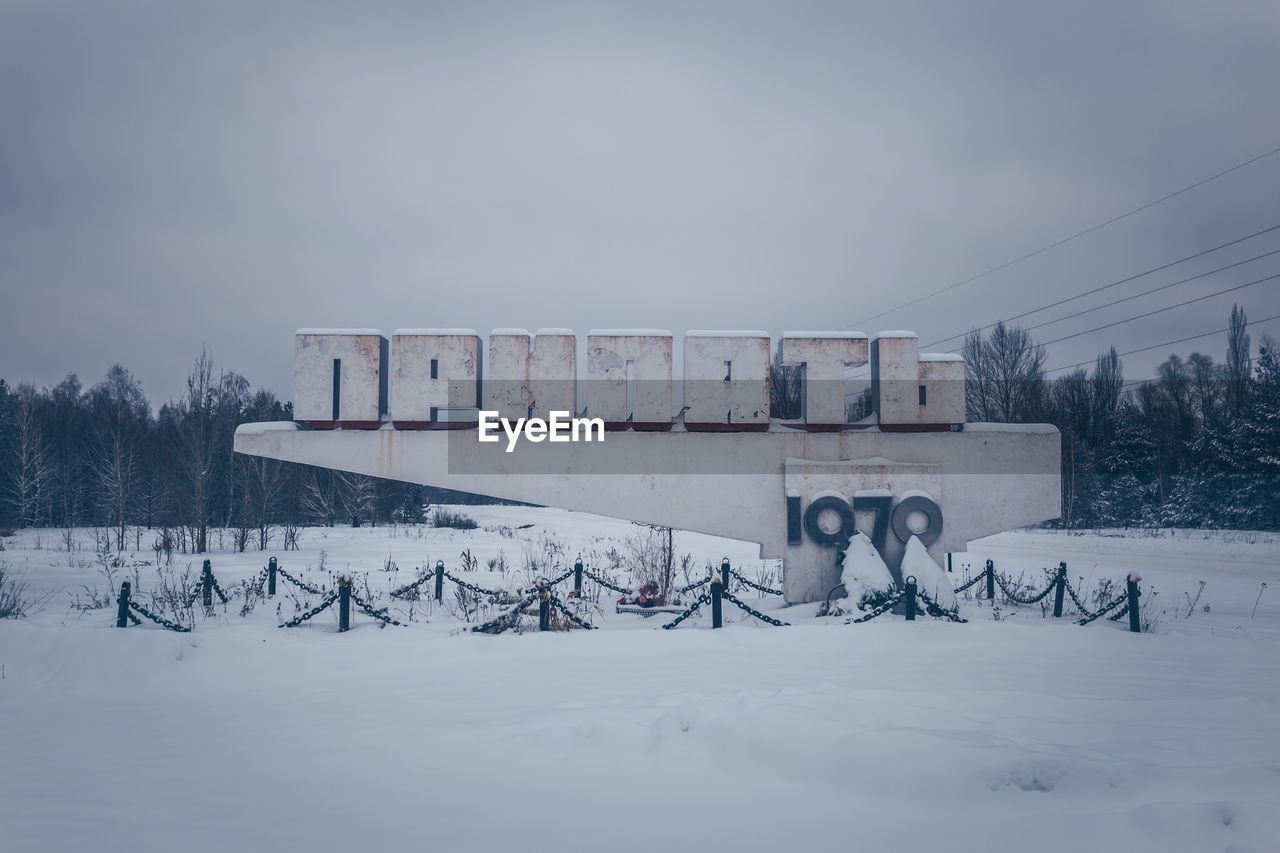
(862, 336)
(629, 333)
(448, 332)
(714, 333)
(340, 332)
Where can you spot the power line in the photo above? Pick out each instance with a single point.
(1068, 239)
(1165, 344)
(1116, 283)
(1161, 310)
(1152, 290)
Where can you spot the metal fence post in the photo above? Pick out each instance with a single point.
(1061, 583)
(122, 610)
(911, 598)
(544, 609)
(991, 580)
(271, 576)
(344, 604)
(439, 580)
(577, 579)
(206, 584)
(717, 593)
(1135, 620)
(724, 572)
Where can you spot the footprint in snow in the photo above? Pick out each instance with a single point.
(1033, 775)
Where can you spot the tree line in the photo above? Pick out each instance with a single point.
(72, 457)
(1196, 446)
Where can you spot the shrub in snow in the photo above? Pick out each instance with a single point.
(16, 598)
(867, 580)
(456, 520)
(930, 578)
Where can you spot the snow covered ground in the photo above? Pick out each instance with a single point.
(1013, 732)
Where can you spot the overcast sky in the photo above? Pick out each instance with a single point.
(173, 175)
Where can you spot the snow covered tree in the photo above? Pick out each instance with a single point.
(1128, 477)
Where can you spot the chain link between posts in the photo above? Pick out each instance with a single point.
(222, 595)
(691, 587)
(878, 611)
(693, 608)
(570, 615)
(971, 582)
(479, 590)
(766, 590)
(1018, 600)
(550, 583)
(328, 601)
(400, 592)
(503, 621)
(380, 614)
(159, 620)
(1120, 614)
(303, 586)
(934, 609)
(728, 596)
(1078, 603)
(1112, 606)
(587, 573)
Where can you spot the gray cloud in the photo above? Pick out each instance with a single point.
(171, 176)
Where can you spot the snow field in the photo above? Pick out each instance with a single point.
(1025, 733)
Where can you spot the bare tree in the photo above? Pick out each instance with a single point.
(232, 399)
(1175, 382)
(651, 556)
(858, 407)
(265, 487)
(1004, 375)
(784, 388)
(1104, 396)
(30, 462)
(359, 496)
(119, 420)
(319, 496)
(1205, 376)
(1073, 405)
(197, 446)
(1239, 367)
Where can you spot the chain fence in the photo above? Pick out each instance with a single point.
(1017, 599)
(306, 587)
(878, 611)
(479, 590)
(587, 573)
(569, 614)
(1115, 610)
(328, 601)
(693, 608)
(691, 587)
(401, 592)
(728, 596)
(159, 620)
(503, 621)
(380, 614)
(744, 581)
(980, 576)
(934, 609)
